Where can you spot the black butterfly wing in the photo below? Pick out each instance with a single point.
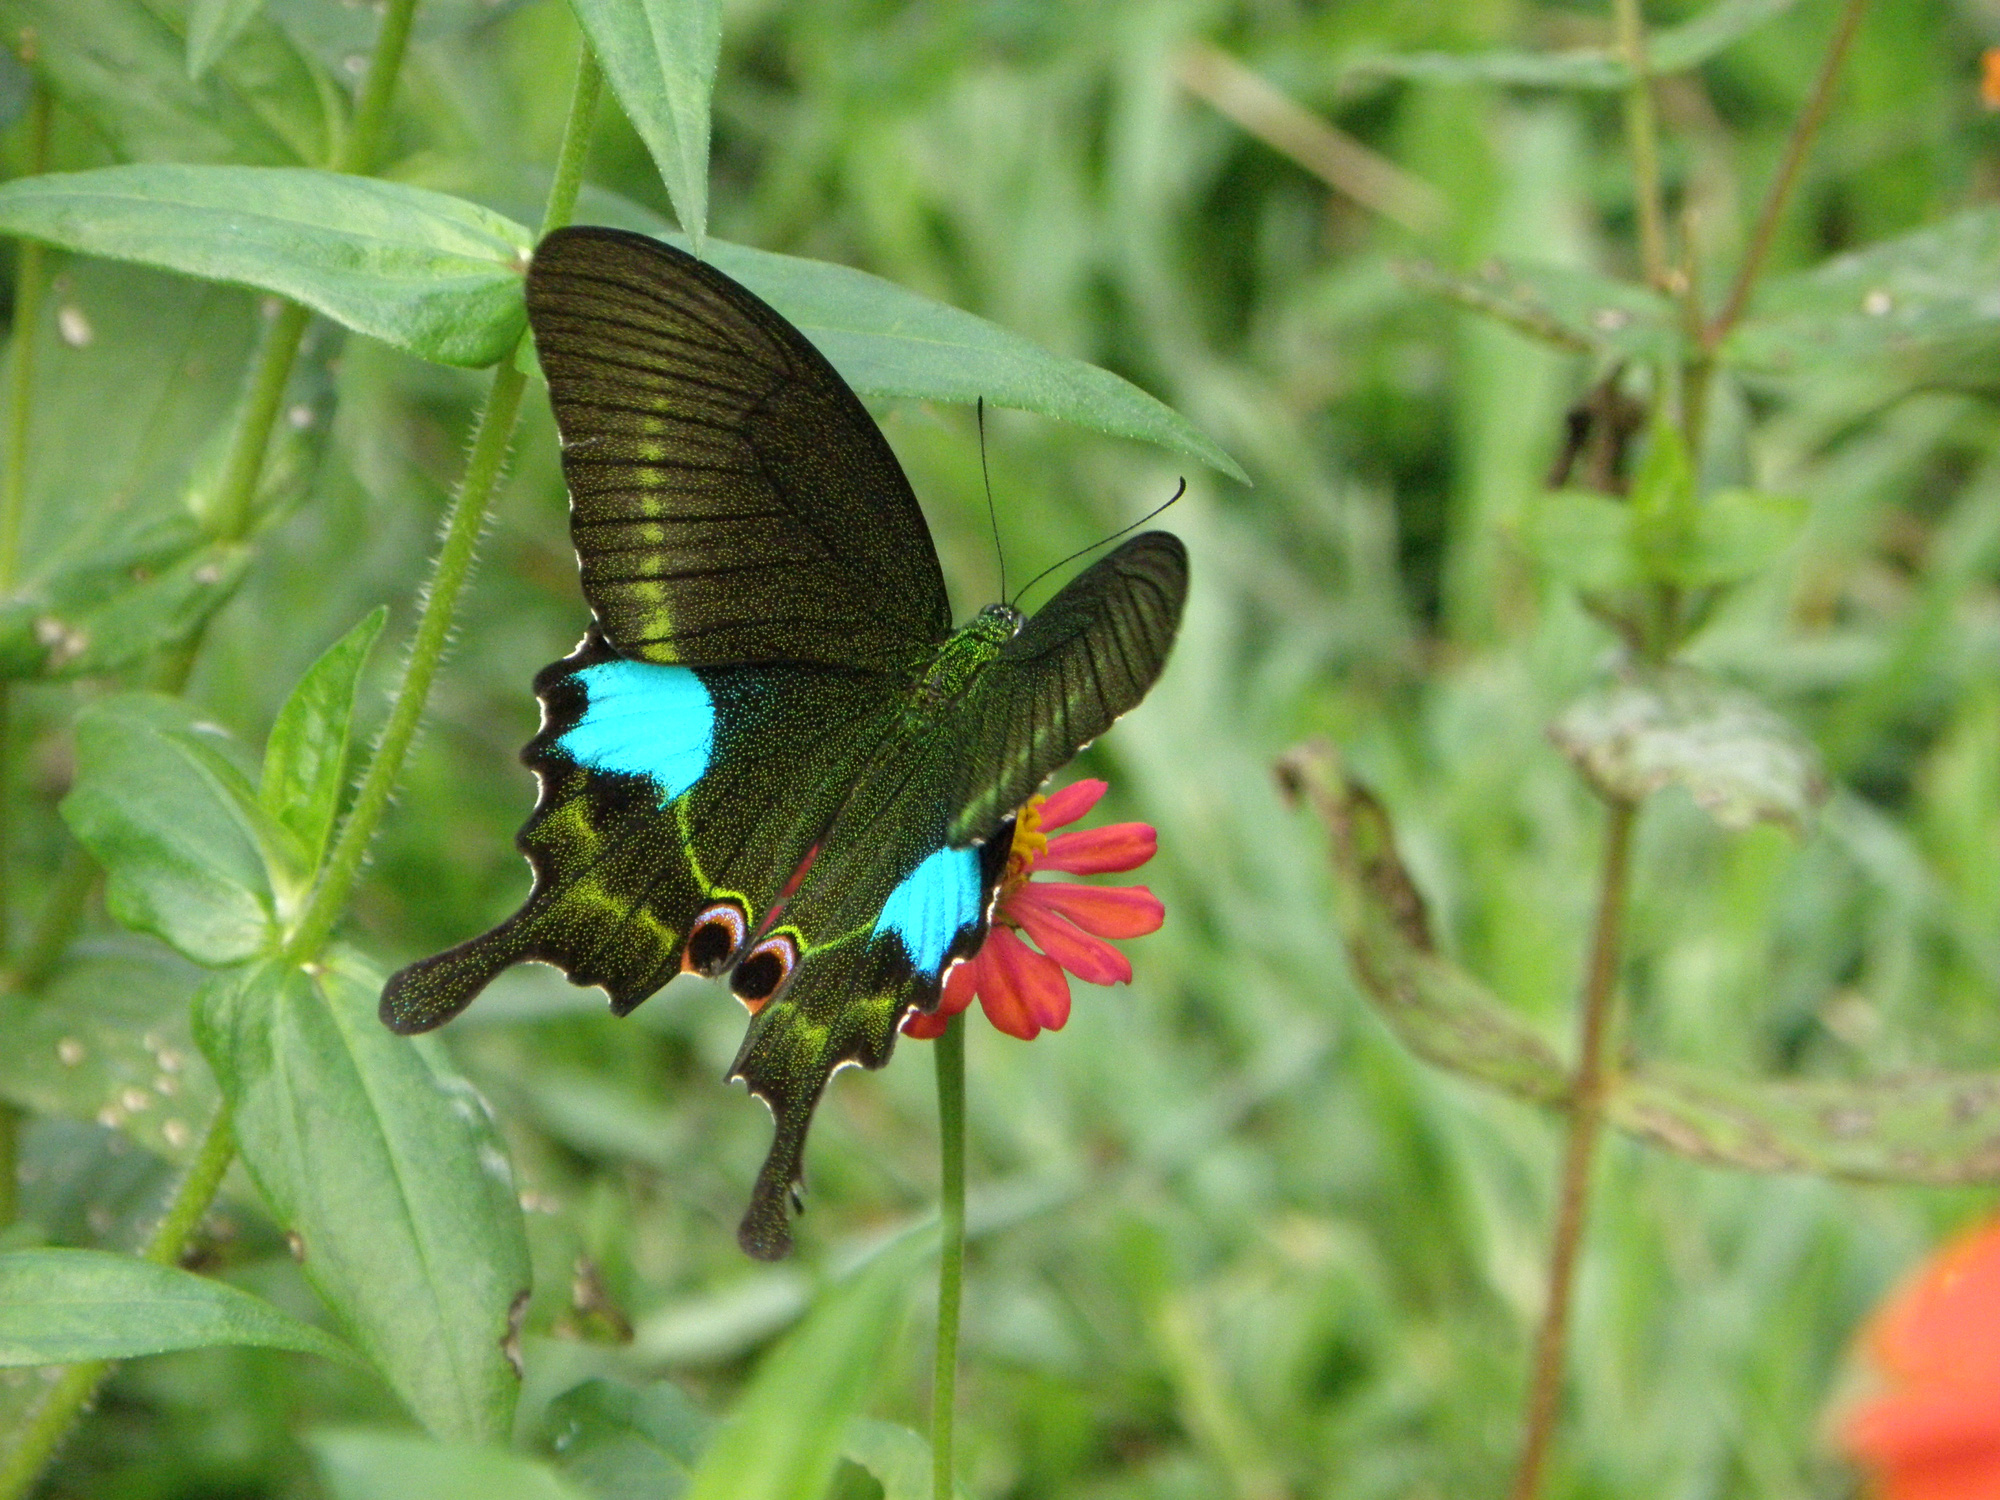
(673, 800)
(731, 499)
(935, 815)
(1086, 657)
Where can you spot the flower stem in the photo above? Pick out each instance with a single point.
(1803, 130)
(492, 436)
(1642, 141)
(950, 1052)
(1586, 1123)
(44, 1430)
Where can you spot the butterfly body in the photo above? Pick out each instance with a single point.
(772, 757)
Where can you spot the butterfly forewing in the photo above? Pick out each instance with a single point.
(1083, 659)
(731, 500)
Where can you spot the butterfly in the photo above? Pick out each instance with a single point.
(772, 757)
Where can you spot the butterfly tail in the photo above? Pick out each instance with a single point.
(766, 1230)
(432, 991)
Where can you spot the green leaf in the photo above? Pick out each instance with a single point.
(1676, 727)
(1918, 294)
(899, 1459)
(212, 25)
(360, 1465)
(1738, 533)
(1673, 49)
(123, 65)
(108, 1040)
(1936, 1128)
(160, 803)
(660, 57)
(428, 273)
(1565, 306)
(65, 1306)
(1581, 538)
(784, 1439)
(628, 1442)
(888, 341)
(100, 632)
(382, 1162)
(305, 759)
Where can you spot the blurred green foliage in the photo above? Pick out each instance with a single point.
(1230, 1239)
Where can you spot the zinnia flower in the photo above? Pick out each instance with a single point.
(1935, 1435)
(1021, 990)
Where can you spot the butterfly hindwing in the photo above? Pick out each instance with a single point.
(730, 497)
(667, 792)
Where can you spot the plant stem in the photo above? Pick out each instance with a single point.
(494, 432)
(1803, 130)
(45, 1430)
(1642, 141)
(950, 1053)
(1586, 1123)
(62, 909)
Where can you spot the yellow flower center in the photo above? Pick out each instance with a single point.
(1029, 845)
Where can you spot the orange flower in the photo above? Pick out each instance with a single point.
(1989, 78)
(1935, 1435)
(1023, 991)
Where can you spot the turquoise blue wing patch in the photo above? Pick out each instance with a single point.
(647, 720)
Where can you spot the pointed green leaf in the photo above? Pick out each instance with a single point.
(1673, 49)
(660, 57)
(888, 341)
(305, 759)
(65, 1306)
(428, 273)
(784, 1439)
(162, 805)
(628, 1442)
(1581, 538)
(124, 67)
(1917, 294)
(211, 26)
(1738, 533)
(360, 1465)
(1677, 727)
(381, 1160)
(113, 629)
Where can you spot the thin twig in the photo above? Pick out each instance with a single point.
(1643, 142)
(1803, 130)
(1330, 154)
(1586, 1123)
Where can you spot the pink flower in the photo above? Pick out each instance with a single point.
(1935, 1434)
(1021, 990)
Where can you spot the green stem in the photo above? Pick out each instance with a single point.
(1642, 141)
(1588, 1089)
(1803, 130)
(29, 285)
(45, 1429)
(950, 1052)
(493, 434)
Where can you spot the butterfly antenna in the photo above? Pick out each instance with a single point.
(979, 413)
(1182, 490)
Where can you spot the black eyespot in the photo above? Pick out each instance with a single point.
(718, 933)
(764, 971)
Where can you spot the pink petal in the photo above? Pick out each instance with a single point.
(1071, 803)
(1088, 959)
(1106, 911)
(959, 985)
(1094, 851)
(1029, 991)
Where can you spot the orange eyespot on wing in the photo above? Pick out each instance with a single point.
(714, 939)
(764, 970)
